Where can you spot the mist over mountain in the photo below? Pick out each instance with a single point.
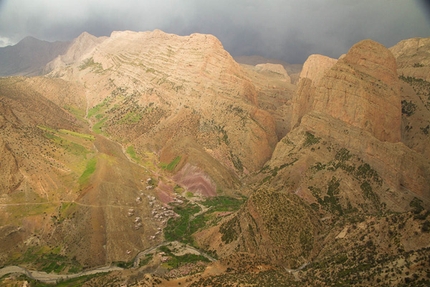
(29, 57)
(161, 160)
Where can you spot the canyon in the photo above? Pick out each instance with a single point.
(302, 175)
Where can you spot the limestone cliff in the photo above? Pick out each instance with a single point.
(356, 107)
(313, 70)
(147, 87)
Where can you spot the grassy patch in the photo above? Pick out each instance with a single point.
(172, 165)
(22, 211)
(91, 167)
(177, 261)
(77, 112)
(131, 118)
(179, 228)
(76, 134)
(97, 128)
(224, 203)
(146, 260)
(48, 260)
(94, 66)
(132, 153)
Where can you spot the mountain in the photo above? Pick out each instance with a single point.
(292, 69)
(29, 57)
(162, 155)
(147, 87)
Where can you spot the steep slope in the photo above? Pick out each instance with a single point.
(274, 93)
(313, 70)
(44, 153)
(276, 226)
(29, 57)
(63, 191)
(345, 123)
(413, 58)
(177, 96)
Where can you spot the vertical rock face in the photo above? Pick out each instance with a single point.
(355, 105)
(362, 90)
(315, 67)
(313, 71)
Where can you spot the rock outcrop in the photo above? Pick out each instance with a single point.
(359, 87)
(276, 69)
(313, 70)
(352, 122)
(413, 58)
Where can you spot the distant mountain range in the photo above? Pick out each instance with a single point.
(29, 57)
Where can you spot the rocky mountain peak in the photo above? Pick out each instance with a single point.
(361, 85)
(315, 67)
(274, 69)
(373, 58)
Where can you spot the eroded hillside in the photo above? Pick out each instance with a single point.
(161, 154)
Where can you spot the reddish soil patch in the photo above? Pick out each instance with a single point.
(165, 192)
(195, 180)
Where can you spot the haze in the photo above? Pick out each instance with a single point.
(289, 30)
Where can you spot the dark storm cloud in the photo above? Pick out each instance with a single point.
(289, 30)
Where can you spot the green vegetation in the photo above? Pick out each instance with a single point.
(132, 153)
(97, 128)
(230, 230)
(72, 144)
(416, 204)
(236, 162)
(172, 165)
(124, 264)
(223, 203)
(408, 108)
(22, 211)
(310, 139)
(48, 260)
(89, 63)
(180, 228)
(77, 112)
(76, 134)
(418, 65)
(91, 167)
(146, 260)
(131, 118)
(330, 202)
(176, 261)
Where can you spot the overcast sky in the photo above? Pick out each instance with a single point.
(289, 30)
